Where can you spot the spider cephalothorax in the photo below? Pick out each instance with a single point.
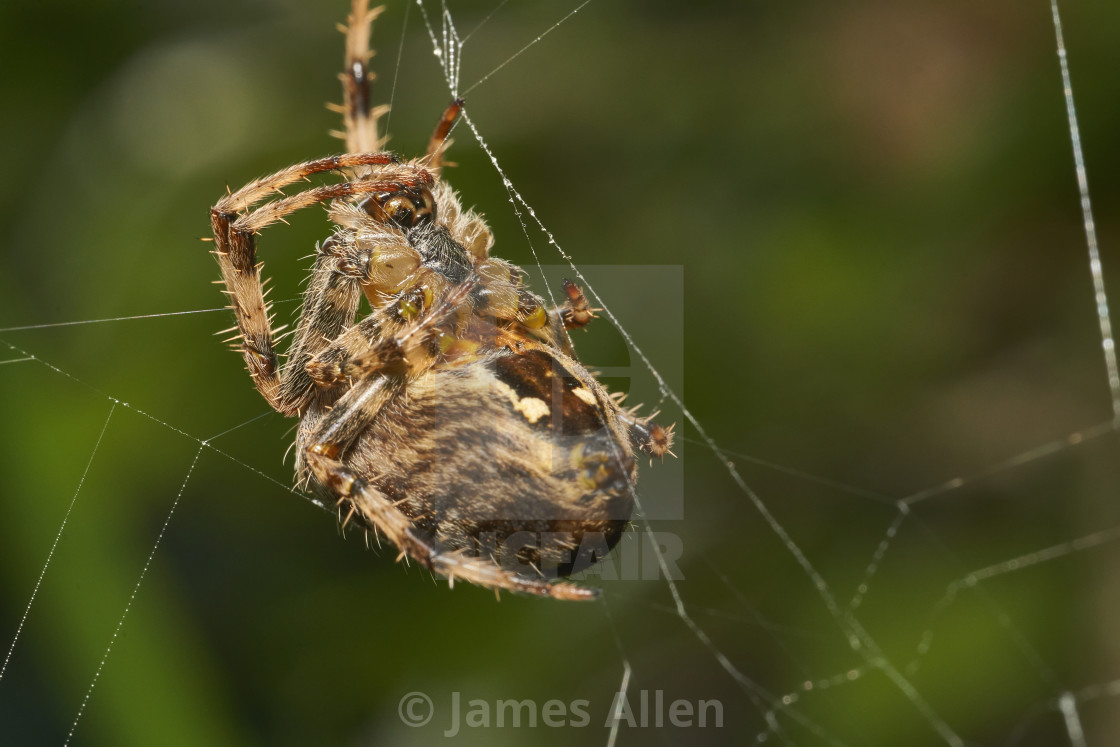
(454, 419)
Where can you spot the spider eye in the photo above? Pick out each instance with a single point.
(407, 209)
(400, 210)
(427, 210)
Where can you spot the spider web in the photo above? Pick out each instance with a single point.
(899, 517)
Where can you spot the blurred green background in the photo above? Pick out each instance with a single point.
(873, 210)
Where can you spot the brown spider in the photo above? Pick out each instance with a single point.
(454, 419)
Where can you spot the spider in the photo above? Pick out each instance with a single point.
(454, 419)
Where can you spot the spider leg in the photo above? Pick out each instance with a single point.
(391, 176)
(329, 366)
(235, 236)
(576, 312)
(648, 435)
(438, 143)
(330, 302)
(358, 117)
(266, 186)
(379, 357)
(381, 341)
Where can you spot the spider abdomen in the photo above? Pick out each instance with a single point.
(518, 457)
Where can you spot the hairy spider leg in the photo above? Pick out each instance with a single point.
(235, 236)
(266, 186)
(378, 342)
(358, 117)
(438, 143)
